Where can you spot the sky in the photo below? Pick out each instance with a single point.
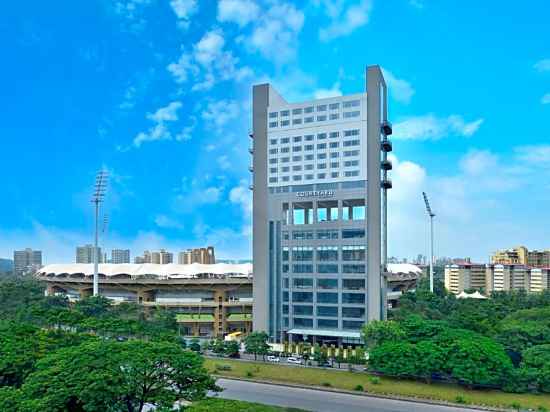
(158, 92)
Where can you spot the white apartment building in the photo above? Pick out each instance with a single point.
(119, 256)
(464, 276)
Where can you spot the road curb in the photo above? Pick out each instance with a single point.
(369, 394)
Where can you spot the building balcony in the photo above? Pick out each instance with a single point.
(386, 165)
(386, 145)
(387, 128)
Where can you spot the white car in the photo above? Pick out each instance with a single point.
(294, 360)
(272, 358)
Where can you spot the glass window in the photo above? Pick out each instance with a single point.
(297, 148)
(272, 124)
(351, 103)
(308, 119)
(327, 210)
(302, 268)
(321, 118)
(334, 165)
(285, 268)
(334, 174)
(309, 177)
(322, 108)
(285, 149)
(302, 296)
(321, 155)
(353, 284)
(285, 159)
(296, 168)
(308, 137)
(352, 324)
(273, 141)
(296, 121)
(285, 122)
(353, 312)
(296, 158)
(303, 322)
(273, 151)
(353, 233)
(285, 140)
(322, 146)
(334, 116)
(285, 283)
(353, 268)
(285, 296)
(327, 323)
(355, 298)
(303, 310)
(321, 166)
(273, 115)
(327, 268)
(297, 111)
(285, 112)
(285, 235)
(353, 132)
(297, 139)
(272, 170)
(327, 283)
(272, 180)
(349, 153)
(285, 169)
(334, 155)
(308, 109)
(353, 253)
(321, 175)
(347, 115)
(302, 234)
(285, 322)
(334, 106)
(333, 145)
(285, 254)
(302, 253)
(329, 311)
(297, 178)
(351, 163)
(351, 173)
(323, 297)
(353, 209)
(308, 167)
(285, 309)
(334, 135)
(327, 253)
(321, 136)
(348, 143)
(308, 147)
(272, 161)
(286, 178)
(327, 234)
(308, 157)
(302, 283)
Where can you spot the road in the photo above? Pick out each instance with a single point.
(320, 401)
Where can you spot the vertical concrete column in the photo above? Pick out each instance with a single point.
(220, 318)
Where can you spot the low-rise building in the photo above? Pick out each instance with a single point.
(461, 276)
(208, 300)
(520, 255)
(507, 277)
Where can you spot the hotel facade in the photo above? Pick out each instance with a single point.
(319, 211)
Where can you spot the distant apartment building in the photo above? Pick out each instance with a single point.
(162, 257)
(120, 256)
(146, 258)
(539, 280)
(204, 255)
(461, 276)
(522, 256)
(502, 278)
(25, 261)
(85, 254)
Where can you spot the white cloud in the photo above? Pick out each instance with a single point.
(241, 12)
(542, 65)
(344, 20)
(275, 35)
(476, 162)
(430, 127)
(166, 222)
(223, 162)
(242, 195)
(334, 91)
(419, 4)
(534, 154)
(401, 90)
(545, 99)
(159, 131)
(219, 113)
(184, 9)
(208, 63)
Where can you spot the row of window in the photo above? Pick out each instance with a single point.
(325, 311)
(299, 178)
(324, 253)
(325, 268)
(309, 157)
(310, 109)
(298, 168)
(324, 283)
(326, 297)
(324, 323)
(325, 234)
(310, 137)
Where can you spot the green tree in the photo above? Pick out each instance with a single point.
(195, 345)
(378, 332)
(231, 349)
(217, 346)
(93, 306)
(256, 343)
(536, 360)
(106, 375)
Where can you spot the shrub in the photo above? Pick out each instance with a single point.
(223, 367)
(460, 399)
(375, 380)
(249, 374)
(326, 384)
(359, 388)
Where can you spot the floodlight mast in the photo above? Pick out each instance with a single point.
(431, 215)
(97, 199)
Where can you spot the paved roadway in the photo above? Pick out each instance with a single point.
(320, 401)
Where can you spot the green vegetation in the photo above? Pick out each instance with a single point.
(381, 385)
(223, 405)
(256, 343)
(500, 343)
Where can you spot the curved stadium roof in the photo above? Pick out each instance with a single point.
(169, 271)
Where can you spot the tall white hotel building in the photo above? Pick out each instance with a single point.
(319, 211)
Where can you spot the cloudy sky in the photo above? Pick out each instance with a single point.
(158, 93)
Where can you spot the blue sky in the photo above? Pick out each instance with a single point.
(158, 93)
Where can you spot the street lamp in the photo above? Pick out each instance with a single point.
(97, 198)
(431, 215)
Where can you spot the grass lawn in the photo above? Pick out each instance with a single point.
(351, 380)
(223, 405)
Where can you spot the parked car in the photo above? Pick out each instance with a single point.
(325, 365)
(272, 358)
(294, 360)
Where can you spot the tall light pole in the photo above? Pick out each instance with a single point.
(97, 198)
(431, 215)
(104, 235)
